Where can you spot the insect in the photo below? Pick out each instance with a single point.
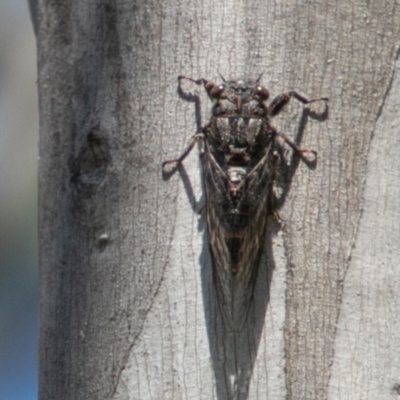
(239, 164)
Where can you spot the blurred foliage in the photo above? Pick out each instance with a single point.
(18, 203)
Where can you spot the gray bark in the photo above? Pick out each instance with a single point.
(128, 308)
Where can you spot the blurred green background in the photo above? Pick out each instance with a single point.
(18, 203)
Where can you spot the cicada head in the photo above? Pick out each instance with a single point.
(237, 96)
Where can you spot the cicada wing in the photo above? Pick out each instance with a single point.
(236, 251)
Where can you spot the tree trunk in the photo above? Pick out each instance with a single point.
(128, 306)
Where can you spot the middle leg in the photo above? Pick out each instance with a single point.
(301, 152)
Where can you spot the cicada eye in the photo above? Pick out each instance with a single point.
(213, 90)
(262, 92)
(216, 91)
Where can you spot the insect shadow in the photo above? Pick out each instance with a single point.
(234, 351)
(288, 166)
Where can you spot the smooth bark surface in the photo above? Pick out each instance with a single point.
(128, 309)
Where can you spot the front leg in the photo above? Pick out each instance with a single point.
(280, 101)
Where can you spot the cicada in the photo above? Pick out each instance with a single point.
(239, 164)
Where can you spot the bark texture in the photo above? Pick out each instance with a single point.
(127, 303)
